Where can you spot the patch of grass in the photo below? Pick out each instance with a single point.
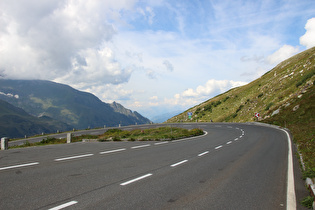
(154, 134)
(239, 108)
(268, 106)
(305, 78)
(308, 202)
(260, 95)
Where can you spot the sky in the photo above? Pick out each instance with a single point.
(153, 56)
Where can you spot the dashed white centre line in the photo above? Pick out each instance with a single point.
(181, 162)
(18, 166)
(111, 151)
(136, 179)
(64, 205)
(73, 157)
(236, 139)
(218, 147)
(164, 142)
(229, 142)
(145, 145)
(201, 154)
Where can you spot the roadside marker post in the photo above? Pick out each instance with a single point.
(4, 143)
(69, 138)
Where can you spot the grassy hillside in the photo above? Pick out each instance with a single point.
(283, 96)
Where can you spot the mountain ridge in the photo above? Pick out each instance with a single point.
(61, 102)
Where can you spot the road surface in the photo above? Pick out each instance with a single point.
(232, 166)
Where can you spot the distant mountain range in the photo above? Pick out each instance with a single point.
(164, 117)
(50, 102)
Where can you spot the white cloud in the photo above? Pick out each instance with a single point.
(308, 39)
(60, 40)
(202, 92)
(111, 92)
(285, 52)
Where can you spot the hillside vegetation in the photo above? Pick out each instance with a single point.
(283, 96)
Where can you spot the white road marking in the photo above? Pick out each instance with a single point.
(145, 145)
(218, 147)
(229, 142)
(201, 154)
(73, 157)
(236, 139)
(179, 140)
(18, 166)
(181, 162)
(291, 198)
(163, 142)
(111, 151)
(136, 179)
(64, 205)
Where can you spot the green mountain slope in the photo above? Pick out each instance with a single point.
(15, 123)
(267, 95)
(283, 96)
(79, 109)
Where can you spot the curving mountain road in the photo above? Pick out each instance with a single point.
(232, 166)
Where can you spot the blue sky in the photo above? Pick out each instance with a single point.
(151, 56)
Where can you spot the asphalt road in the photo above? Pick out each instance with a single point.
(233, 166)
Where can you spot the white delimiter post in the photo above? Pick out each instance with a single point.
(4, 143)
(69, 136)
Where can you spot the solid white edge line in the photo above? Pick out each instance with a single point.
(111, 151)
(136, 179)
(291, 198)
(73, 157)
(64, 205)
(185, 139)
(218, 147)
(201, 154)
(145, 145)
(18, 166)
(181, 162)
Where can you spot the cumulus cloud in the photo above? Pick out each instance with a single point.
(60, 40)
(308, 39)
(202, 92)
(110, 92)
(285, 52)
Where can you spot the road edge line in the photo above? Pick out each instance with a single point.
(291, 197)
